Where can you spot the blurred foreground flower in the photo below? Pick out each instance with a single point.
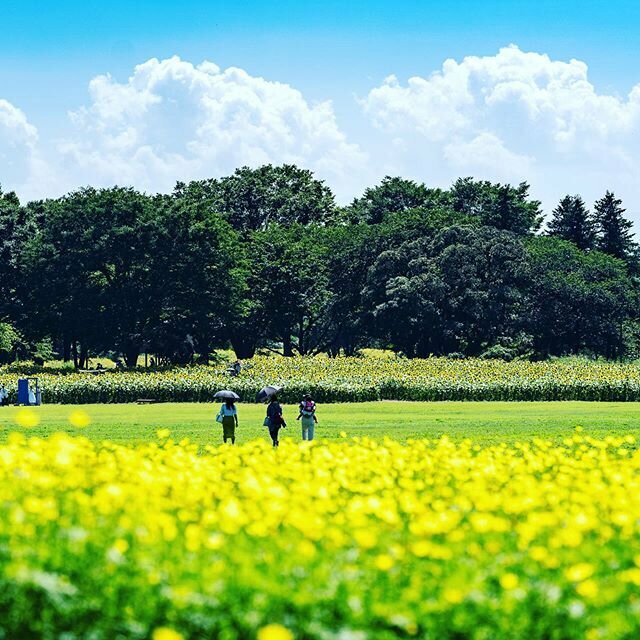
(274, 632)
(27, 418)
(336, 540)
(165, 633)
(79, 419)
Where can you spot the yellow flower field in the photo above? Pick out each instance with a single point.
(372, 377)
(352, 540)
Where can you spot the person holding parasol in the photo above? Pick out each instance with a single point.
(228, 414)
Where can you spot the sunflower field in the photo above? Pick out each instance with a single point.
(352, 540)
(373, 377)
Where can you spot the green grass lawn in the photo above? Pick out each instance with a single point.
(483, 422)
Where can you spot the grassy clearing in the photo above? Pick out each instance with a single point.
(483, 422)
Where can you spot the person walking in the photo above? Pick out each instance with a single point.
(228, 416)
(274, 419)
(4, 396)
(308, 416)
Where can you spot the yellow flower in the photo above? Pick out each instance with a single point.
(27, 418)
(365, 538)
(384, 562)
(509, 581)
(538, 553)
(631, 575)
(580, 571)
(588, 589)
(165, 633)
(453, 595)
(79, 419)
(121, 545)
(274, 632)
(354, 508)
(163, 434)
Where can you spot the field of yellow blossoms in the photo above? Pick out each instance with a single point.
(375, 376)
(351, 540)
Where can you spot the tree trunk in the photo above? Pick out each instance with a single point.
(84, 356)
(287, 347)
(302, 347)
(74, 351)
(203, 349)
(244, 349)
(131, 354)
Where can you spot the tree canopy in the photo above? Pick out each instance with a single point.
(265, 259)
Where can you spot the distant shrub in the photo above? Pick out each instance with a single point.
(498, 352)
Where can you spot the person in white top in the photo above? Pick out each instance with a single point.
(32, 396)
(4, 396)
(228, 416)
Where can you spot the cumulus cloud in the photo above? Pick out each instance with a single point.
(15, 129)
(488, 152)
(20, 160)
(464, 97)
(174, 120)
(513, 115)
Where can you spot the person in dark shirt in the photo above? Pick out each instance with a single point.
(274, 420)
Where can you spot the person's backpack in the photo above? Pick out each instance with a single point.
(308, 408)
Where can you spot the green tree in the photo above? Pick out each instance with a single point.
(290, 271)
(613, 229)
(91, 272)
(10, 339)
(460, 290)
(254, 199)
(501, 206)
(16, 226)
(201, 264)
(571, 221)
(579, 301)
(350, 251)
(392, 196)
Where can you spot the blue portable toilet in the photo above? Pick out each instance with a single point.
(23, 392)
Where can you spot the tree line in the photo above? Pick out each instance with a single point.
(264, 258)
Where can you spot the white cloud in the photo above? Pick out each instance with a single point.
(487, 153)
(173, 120)
(512, 116)
(465, 96)
(15, 129)
(20, 159)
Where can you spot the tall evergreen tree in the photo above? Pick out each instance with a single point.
(572, 221)
(613, 229)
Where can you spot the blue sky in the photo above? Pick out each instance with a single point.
(332, 51)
